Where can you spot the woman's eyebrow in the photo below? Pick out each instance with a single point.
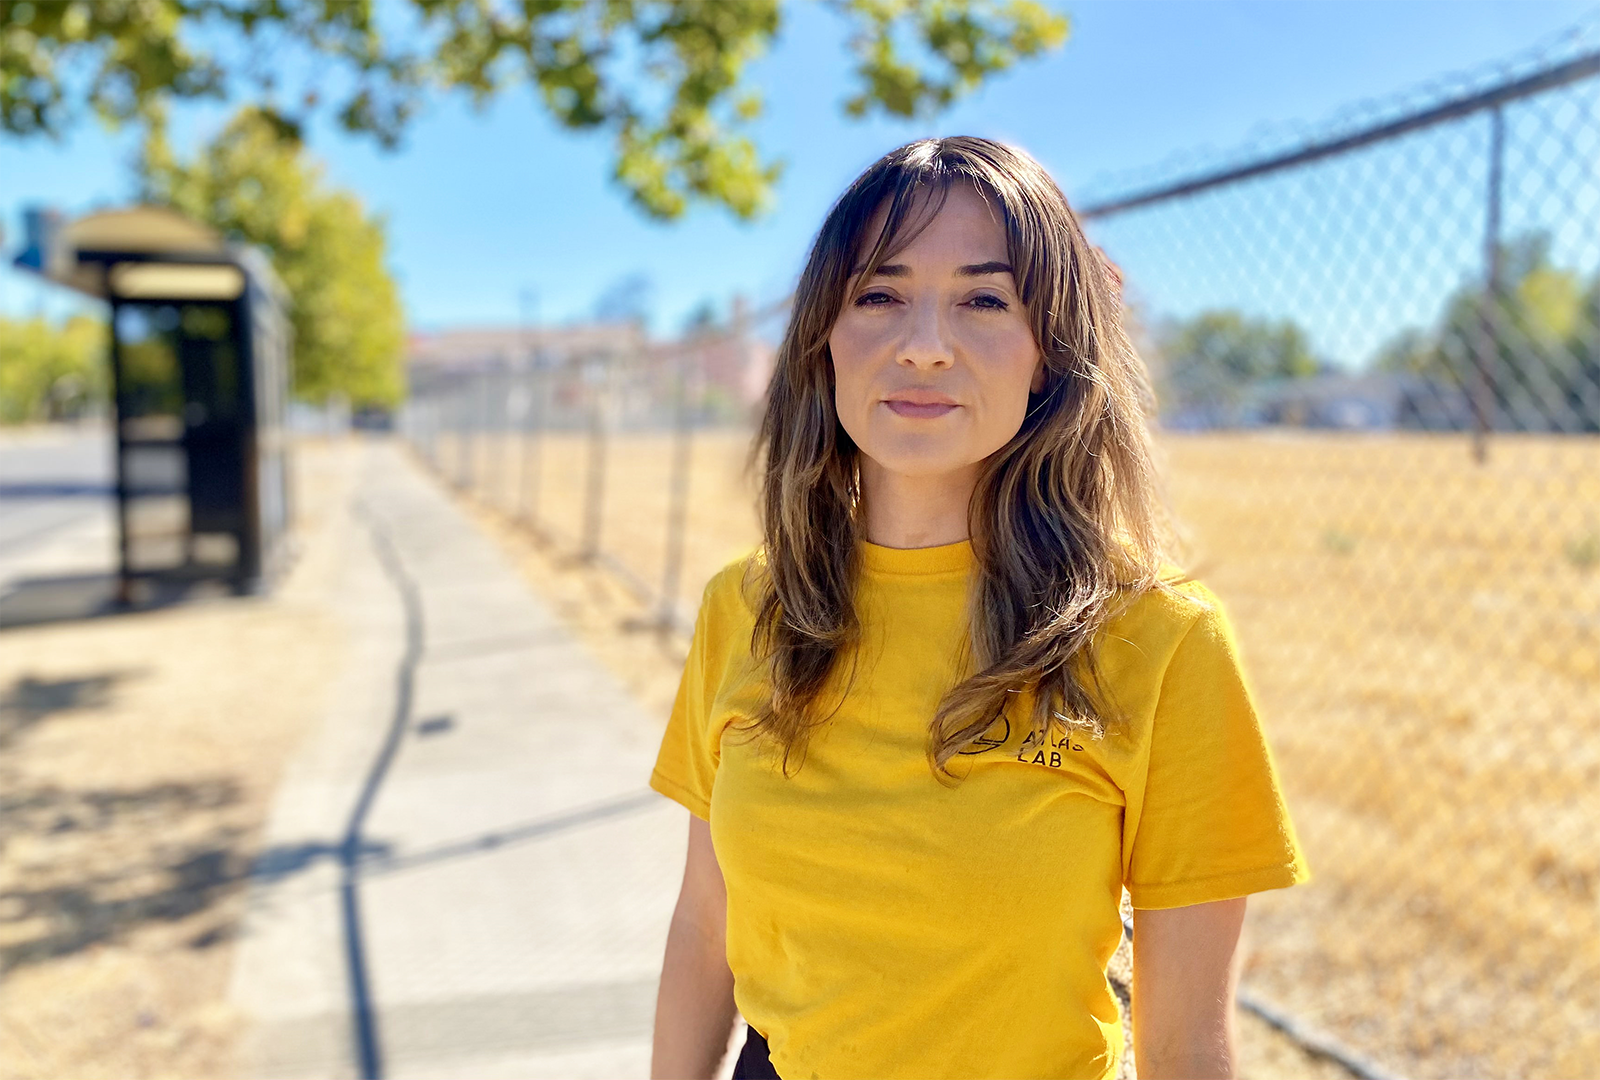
(994, 266)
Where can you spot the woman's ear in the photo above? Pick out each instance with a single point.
(1037, 385)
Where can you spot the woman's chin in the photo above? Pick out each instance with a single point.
(923, 462)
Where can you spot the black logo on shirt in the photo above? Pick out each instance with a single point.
(993, 737)
(1046, 749)
(1037, 749)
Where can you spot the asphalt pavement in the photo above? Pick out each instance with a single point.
(57, 503)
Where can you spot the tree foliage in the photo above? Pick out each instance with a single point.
(1535, 341)
(50, 371)
(254, 183)
(1211, 359)
(666, 78)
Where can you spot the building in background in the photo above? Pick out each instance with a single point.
(719, 373)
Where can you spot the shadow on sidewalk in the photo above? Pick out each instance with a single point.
(378, 858)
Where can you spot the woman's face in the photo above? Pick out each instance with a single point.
(933, 356)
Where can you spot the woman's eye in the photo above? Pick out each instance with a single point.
(873, 299)
(988, 303)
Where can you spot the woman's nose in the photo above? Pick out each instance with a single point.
(926, 343)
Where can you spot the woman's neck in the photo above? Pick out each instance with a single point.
(915, 511)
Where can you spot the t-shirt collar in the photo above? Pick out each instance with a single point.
(943, 559)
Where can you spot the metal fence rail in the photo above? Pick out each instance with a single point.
(1377, 351)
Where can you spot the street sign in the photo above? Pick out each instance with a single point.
(43, 251)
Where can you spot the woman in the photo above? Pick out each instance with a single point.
(958, 701)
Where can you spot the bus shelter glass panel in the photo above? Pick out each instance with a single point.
(180, 408)
(270, 365)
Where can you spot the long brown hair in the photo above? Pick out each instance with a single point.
(1065, 522)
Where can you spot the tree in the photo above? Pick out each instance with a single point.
(253, 182)
(1412, 351)
(702, 320)
(1533, 340)
(50, 372)
(666, 78)
(1210, 360)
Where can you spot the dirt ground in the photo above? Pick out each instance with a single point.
(612, 622)
(138, 756)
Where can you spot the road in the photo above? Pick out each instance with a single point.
(57, 504)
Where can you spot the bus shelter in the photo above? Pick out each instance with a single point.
(199, 360)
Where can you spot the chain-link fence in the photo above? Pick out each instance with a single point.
(615, 450)
(1378, 357)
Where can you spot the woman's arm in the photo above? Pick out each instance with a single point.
(694, 1007)
(1185, 972)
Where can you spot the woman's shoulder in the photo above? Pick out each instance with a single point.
(731, 596)
(1176, 620)
(1165, 612)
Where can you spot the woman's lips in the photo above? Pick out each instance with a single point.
(920, 410)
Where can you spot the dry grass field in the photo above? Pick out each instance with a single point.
(635, 486)
(1423, 633)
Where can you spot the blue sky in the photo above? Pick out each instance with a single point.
(482, 206)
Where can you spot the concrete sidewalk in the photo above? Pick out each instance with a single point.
(516, 876)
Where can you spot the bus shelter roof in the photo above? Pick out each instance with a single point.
(140, 252)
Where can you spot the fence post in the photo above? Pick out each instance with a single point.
(461, 410)
(503, 449)
(417, 409)
(532, 445)
(458, 431)
(435, 426)
(441, 418)
(458, 422)
(596, 371)
(677, 495)
(1488, 350)
(464, 433)
(463, 403)
(485, 422)
(493, 408)
(511, 408)
(429, 434)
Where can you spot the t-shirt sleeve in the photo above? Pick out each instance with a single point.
(686, 765)
(1212, 824)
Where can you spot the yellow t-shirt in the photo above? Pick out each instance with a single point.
(882, 924)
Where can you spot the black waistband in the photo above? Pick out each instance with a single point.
(755, 1060)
